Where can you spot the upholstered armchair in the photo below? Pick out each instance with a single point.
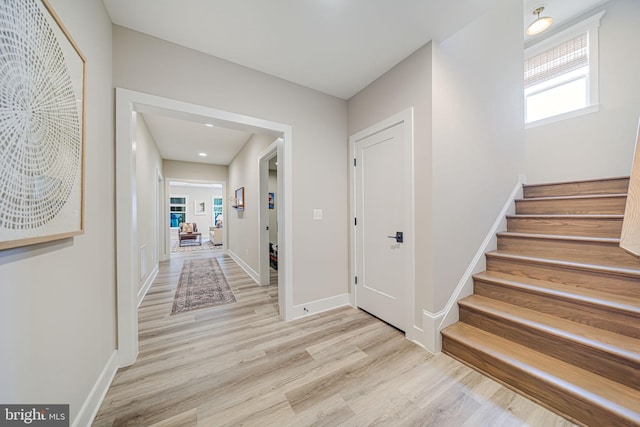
(188, 231)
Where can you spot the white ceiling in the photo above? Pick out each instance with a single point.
(334, 46)
(179, 139)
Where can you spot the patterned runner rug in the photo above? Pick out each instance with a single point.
(202, 284)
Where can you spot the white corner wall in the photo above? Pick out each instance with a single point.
(319, 122)
(57, 299)
(599, 144)
(478, 141)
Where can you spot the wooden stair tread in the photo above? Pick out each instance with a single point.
(566, 223)
(626, 304)
(606, 240)
(578, 197)
(578, 181)
(618, 271)
(585, 249)
(567, 216)
(595, 389)
(622, 346)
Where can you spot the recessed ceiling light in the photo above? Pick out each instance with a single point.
(202, 154)
(209, 125)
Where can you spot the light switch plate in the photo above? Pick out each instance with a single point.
(317, 214)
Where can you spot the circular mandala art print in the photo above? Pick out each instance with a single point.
(40, 119)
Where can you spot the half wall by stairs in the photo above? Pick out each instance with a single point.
(556, 315)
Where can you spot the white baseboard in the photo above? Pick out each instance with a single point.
(94, 400)
(314, 307)
(431, 335)
(147, 284)
(433, 323)
(250, 271)
(416, 336)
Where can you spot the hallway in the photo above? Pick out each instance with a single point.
(239, 364)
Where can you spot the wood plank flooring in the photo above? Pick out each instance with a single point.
(239, 364)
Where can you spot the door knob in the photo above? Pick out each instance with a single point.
(399, 237)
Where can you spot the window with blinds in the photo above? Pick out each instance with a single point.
(569, 56)
(560, 74)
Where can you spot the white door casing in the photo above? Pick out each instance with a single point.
(382, 204)
(263, 227)
(128, 104)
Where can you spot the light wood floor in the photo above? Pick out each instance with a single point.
(239, 364)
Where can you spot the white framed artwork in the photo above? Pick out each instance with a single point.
(42, 89)
(200, 207)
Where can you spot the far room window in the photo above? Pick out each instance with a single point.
(561, 74)
(177, 211)
(217, 211)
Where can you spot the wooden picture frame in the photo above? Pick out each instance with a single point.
(239, 201)
(42, 155)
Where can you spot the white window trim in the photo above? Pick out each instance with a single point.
(591, 26)
(559, 117)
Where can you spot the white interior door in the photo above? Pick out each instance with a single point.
(380, 257)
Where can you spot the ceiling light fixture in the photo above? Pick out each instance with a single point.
(539, 24)
(209, 125)
(202, 154)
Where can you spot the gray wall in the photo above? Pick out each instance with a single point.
(319, 124)
(242, 225)
(478, 139)
(599, 144)
(189, 171)
(57, 300)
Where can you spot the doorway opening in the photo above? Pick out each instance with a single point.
(199, 204)
(270, 218)
(128, 105)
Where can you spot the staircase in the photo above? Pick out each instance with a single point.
(556, 316)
